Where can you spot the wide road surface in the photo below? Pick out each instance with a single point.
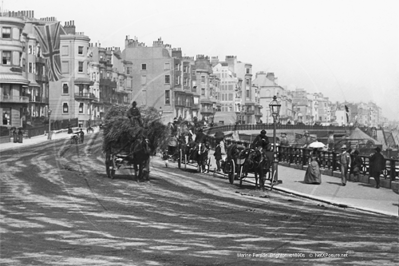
(59, 208)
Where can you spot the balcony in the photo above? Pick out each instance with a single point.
(14, 99)
(108, 83)
(84, 96)
(206, 111)
(195, 107)
(38, 99)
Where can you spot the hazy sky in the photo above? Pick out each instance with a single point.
(347, 50)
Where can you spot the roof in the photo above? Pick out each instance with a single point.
(358, 134)
(14, 79)
(83, 81)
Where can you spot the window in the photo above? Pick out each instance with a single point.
(80, 49)
(65, 88)
(203, 91)
(247, 93)
(143, 67)
(166, 66)
(80, 67)
(248, 71)
(167, 97)
(64, 50)
(128, 70)
(230, 96)
(185, 81)
(30, 49)
(203, 79)
(81, 106)
(167, 79)
(65, 108)
(93, 76)
(6, 33)
(30, 68)
(178, 80)
(6, 59)
(6, 116)
(143, 79)
(185, 69)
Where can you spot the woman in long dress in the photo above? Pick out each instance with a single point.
(313, 174)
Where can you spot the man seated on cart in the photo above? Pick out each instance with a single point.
(261, 143)
(134, 115)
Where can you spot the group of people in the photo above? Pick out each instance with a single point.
(350, 164)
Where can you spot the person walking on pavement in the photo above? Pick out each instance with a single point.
(81, 135)
(377, 164)
(345, 161)
(356, 166)
(218, 154)
(20, 136)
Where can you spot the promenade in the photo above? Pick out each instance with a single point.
(355, 195)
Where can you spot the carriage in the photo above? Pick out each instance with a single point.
(242, 160)
(134, 155)
(129, 146)
(187, 151)
(195, 154)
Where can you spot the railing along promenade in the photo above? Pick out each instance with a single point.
(224, 128)
(328, 160)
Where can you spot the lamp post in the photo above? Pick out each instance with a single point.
(275, 110)
(49, 124)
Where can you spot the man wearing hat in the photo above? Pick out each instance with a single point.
(377, 164)
(261, 140)
(345, 161)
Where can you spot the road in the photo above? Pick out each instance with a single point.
(59, 208)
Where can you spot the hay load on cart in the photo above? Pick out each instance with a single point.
(129, 145)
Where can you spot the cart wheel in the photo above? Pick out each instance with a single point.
(179, 159)
(232, 172)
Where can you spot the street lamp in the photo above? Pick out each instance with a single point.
(49, 124)
(275, 111)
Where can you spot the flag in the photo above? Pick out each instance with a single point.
(49, 39)
(347, 113)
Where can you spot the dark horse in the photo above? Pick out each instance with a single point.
(197, 152)
(140, 157)
(256, 162)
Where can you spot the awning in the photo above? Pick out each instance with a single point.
(14, 79)
(84, 81)
(33, 83)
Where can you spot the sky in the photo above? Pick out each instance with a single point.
(347, 50)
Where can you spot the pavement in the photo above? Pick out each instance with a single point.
(354, 195)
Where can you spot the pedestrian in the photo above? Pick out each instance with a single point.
(172, 146)
(377, 164)
(81, 135)
(356, 166)
(345, 161)
(14, 135)
(313, 174)
(218, 154)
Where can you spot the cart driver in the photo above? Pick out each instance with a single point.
(134, 115)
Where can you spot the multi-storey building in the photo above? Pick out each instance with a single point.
(268, 87)
(249, 102)
(72, 97)
(203, 72)
(13, 84)
(27, 61)
(156, 74)
(302, 106)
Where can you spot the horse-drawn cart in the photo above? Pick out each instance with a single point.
(128, 145)
(194, 154)
(132, 155)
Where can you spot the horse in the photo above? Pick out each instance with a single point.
(197, 152)
(140, 157)
(256, 162)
